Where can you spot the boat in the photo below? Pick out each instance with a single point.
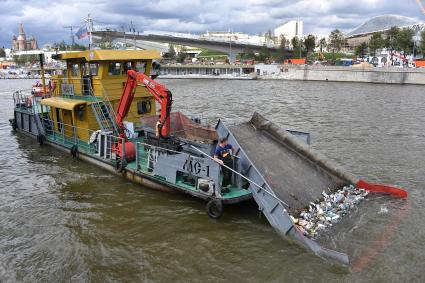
(103, 110)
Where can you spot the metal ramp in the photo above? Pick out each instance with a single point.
(105, 116)
(268, 156)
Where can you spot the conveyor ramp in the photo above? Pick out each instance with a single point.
(285, 175)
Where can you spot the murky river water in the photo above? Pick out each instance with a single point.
(66, 221)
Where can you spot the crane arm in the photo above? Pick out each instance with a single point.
(158, 91)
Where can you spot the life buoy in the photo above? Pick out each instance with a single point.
(214, 208)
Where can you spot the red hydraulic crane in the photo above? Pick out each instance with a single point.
(159, 92)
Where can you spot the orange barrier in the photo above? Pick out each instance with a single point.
(420, 63)
(296, 61)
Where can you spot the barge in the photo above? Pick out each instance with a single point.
(102, 110)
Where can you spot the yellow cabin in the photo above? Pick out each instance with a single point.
(88, 93)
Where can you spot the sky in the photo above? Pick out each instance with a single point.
(46, 19)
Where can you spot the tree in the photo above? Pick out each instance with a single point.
(310, 43)
(405, 40)
(296, 47)
(264, 54)
(375, 42)
(171, 54)
(25, 58)
(322, 44)
(336, 41)
(102, 45)
(422, 43)
(80, 47)
(182, 55)
(2, 52)
(247, 54)
(390, 41)
(282, 48)
(361, 50)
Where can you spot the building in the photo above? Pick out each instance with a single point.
(21, 43)
(380, 24)
(289, 30)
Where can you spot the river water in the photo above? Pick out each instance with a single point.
(66, 221)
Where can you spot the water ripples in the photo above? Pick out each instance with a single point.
(64, 220)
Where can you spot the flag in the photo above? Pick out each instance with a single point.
(82, 32)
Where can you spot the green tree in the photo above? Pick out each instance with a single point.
(336, 42)
(405, 40)
(297, 47)
(247, 54)
(322, 44)
(2, 52)
(25, 58)
(80, 47)
(282, 48)
(264, 54)
(390, 41)
(171, 54)
(103, 45)
(310, 43)
(422, 43)
(182, 55)
(361, 50)
(376, 42)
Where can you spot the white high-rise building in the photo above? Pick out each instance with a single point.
(289, 30)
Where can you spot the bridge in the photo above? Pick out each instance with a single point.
(147, 39)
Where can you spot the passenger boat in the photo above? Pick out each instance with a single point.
(102, 110)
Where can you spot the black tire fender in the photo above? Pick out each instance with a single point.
(214, 208)
(74, 151)
(120, 165)
(14, 124)
(40, 139)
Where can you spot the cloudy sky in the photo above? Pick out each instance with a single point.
(46, 19)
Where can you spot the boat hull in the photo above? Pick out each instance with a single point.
(25, 123)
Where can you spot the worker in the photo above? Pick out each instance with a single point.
(223, 155)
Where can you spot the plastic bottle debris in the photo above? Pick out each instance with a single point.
(320, 216)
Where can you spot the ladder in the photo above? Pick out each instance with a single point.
(105, 116)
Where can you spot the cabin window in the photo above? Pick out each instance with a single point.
(128, 66)
(141, 66)
(75, 70)
(81, 109)
(114, 69)
(94, 69)
(144, 106)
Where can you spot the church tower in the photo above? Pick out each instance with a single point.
(22, 38)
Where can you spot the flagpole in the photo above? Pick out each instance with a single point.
(90, 27)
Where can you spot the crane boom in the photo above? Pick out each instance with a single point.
(158, 91)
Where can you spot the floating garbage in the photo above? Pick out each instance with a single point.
(322, 214)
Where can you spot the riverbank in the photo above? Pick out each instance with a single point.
(385, 75)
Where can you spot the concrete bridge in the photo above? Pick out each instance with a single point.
(232, 48)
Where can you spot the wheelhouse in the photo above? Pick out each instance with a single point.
(89, 89)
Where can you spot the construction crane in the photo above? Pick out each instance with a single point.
(159, 92)
(72, 33)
